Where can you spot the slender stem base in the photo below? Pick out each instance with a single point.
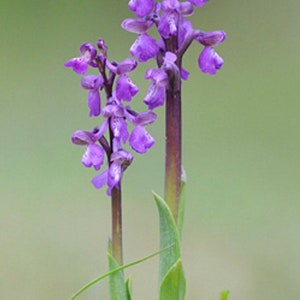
(116, 205)
(173, 145)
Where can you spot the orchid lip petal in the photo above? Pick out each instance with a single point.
(209, 61)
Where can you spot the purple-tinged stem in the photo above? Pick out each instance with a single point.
(116, 214)
(116, 218)
(116, 195)
(173, 137)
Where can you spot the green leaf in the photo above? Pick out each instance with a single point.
(173, 285)
(224, 295)
(117, 285)
(168, 235)
(181, 208)
(128, 288)
(94, 281)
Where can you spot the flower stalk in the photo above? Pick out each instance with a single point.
(173, 136)
(173, 150)
(116, 215)
(119, 89)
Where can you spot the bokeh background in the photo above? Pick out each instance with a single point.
(241, 155)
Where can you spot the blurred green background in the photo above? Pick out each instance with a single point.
(241, 155)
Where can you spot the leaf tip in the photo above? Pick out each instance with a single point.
(224, 295)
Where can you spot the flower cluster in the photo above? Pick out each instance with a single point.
(177, 33)
(116, 115)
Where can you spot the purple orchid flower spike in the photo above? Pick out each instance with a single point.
(169, 17)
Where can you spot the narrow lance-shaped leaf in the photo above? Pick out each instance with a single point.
(96, 280)
(168, 235)
(173, 284)
(128, 288)
(117, 285)
(171, 275)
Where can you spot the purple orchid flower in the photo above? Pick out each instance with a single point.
(140, 139)
(80, 64)
(111, 177)
(176, 35)
(212, 38)
(137, 25)
(141, 7)
(117, 123)
(209, 61)
(94, 154)
(156, 91)
(168, 22)
(93, 83)
(126, 66)
(125, 88)
(144, 47)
